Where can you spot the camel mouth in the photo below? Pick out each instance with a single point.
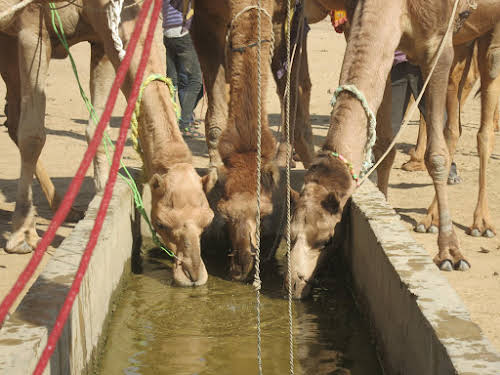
(184, 277)
(241, 264)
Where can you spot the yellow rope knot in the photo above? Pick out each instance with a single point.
(134, 124)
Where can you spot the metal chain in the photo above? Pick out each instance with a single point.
(288, 157)
(257, 281)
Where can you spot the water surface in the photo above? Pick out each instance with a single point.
(161, 329)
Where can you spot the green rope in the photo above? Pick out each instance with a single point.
(372, 129)
(59, 30)
(134, 124)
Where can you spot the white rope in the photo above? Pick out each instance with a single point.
(257, 280)
(372, 126)
(419, 98)
(9, 12)
(113, 14)
(288, 157)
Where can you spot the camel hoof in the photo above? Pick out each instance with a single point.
(462, 265)
(446, 265)
(433, 229)
(22, 248)
(420, 228)
(475, 233)
(489, 233)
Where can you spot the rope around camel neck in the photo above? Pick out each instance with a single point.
(372, 126)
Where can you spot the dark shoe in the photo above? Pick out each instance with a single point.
(453, 177)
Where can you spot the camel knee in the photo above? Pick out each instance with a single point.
(31, 144)
(437, 165)
(212, 136)
(485, 141)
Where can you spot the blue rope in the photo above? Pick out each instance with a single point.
(372, 128)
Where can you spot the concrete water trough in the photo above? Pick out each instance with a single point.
(418, 322)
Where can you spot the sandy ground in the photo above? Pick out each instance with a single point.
(410, 193)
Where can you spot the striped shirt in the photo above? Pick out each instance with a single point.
(173, 22)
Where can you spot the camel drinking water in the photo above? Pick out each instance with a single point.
(416, 27)
(180, 210)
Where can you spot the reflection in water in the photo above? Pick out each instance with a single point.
(161, 329)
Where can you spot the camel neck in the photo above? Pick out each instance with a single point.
(367, 63)
(240, 135)
(160, 137)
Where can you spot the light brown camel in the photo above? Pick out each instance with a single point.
(232, 187)
(209, 37)
(416, 28)
(416, 162)
(180, 210)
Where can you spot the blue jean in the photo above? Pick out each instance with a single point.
(183, 68)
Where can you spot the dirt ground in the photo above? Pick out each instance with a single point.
(409, 193)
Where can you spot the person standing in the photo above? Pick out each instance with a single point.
(183, 66)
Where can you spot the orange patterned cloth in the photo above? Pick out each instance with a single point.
(339, 19)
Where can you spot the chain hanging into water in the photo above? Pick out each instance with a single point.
(288, 157)
(257, 281)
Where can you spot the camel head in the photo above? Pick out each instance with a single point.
(237, 205)
(180, 212)
(318, 210)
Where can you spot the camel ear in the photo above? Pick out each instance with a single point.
(157, 185)
(210, 180)
(331, 203)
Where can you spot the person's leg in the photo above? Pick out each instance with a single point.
(171, 50)
(400, 94)
(188, 59)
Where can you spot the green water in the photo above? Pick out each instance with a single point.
(161, 329)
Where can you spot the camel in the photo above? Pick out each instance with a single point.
(180, 210)
(232, 186)
(210, 42)
(416, 162)
(416, 28)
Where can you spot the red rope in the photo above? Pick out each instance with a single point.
(76, 183)
(108, 192)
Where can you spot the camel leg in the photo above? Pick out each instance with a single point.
(300, 95)
(384, 139)
(34, 57)
(437, 160)
(452, 129)
(496, 118)
(302, 135)
(210, 51)
(416, 162)
(493, 53)
(490, 92)
(101, 80)
(11, 79)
